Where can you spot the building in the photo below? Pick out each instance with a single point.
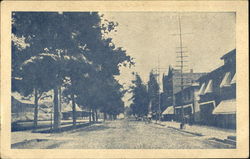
(172, 84)
(67, 112)
(218, 94)
(188, 101)
(22, 109)
(168, 114)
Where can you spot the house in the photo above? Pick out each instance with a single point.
(218, 94)
(67, 112)
(22, 109)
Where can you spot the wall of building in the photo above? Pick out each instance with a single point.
(218, 93)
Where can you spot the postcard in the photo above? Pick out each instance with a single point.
(124, 79)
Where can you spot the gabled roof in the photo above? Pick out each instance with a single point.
(230, 53)
(193, 86)
(68, 107)
(19, 98)
(215, 73)
(220, 70)
(43, 104)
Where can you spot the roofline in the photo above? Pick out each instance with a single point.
(189, 87)
(227, 54)
(209, 73)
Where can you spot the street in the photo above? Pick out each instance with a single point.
(118, 134)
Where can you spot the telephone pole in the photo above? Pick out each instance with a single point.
(159, 94)
(157, 73)
(181, 60)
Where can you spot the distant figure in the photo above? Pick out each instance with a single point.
(182, 125)
(149, 118)
(186, 119)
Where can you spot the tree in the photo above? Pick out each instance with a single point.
(36, 77)
(103, 94)
(153, 91)
(78, 41)
(54, 33)
(75, 74)
(140, 97)
(39, 33)
(104, 56)
(108, 59)
(114, 104)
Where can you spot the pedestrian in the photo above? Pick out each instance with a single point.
(149, 117)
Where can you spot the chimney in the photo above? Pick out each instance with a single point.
(191, 71)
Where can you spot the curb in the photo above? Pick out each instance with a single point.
(225, 141)
(231, 140)
(193, 133)
(27, 142)
(160, 124)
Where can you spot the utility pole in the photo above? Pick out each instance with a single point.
(157, 73)
(181, 54)
(181, 57)
(159, 95)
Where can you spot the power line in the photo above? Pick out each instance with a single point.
(181, 60)
(159, 95)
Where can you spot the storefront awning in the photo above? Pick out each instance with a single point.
(226, 107)
(185, 106)
(169, 110)
(208, 102)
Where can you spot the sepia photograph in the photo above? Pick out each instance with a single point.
(123, 80)
(133, 80)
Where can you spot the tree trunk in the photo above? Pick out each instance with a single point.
(104, 116)
(60, 100)
(93, 115)
(96, 115)
(56, 110)
(36, 109)
(90, 115)
(73, 109)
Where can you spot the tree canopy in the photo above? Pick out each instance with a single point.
(140, 105)
(153, 91)
(69, 50)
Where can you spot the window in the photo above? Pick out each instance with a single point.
(202, 89)
(226, 80)
(209, 87)
(233, 81)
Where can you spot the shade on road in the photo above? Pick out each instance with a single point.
(122, 134)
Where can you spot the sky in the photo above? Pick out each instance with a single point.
(148, 36)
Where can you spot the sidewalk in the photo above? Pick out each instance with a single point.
(24, 130)
(206, 131)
